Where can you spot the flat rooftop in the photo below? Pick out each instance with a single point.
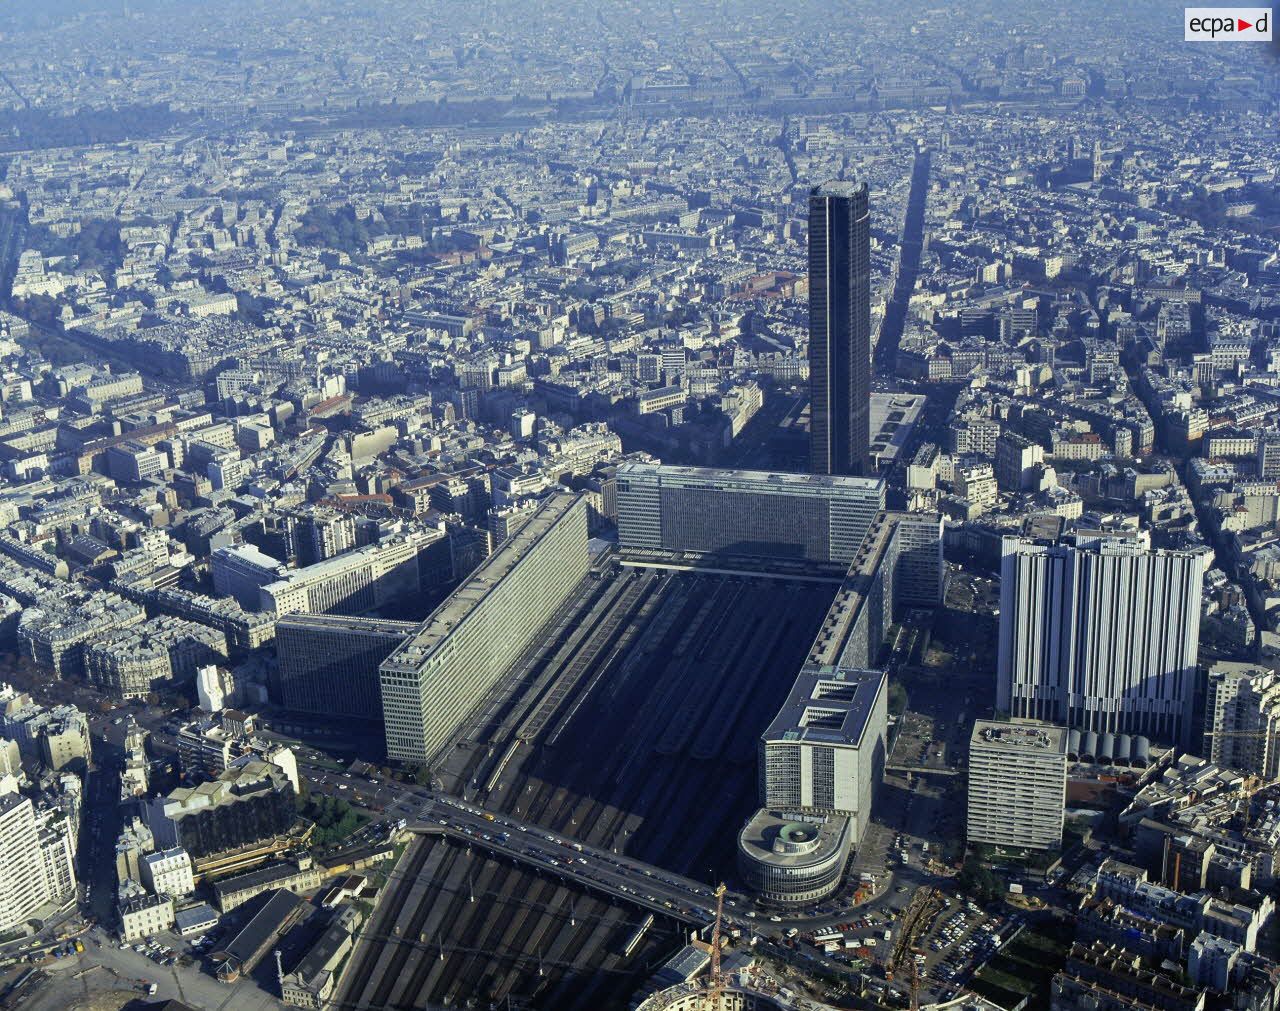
(775, 838)
(828, 705)
(830, 643)
(1020, 737)
(345, 623)
(346, 560)
(893, 416)
(839, 188)
(252, 554)
(460, 604)
(763, 480)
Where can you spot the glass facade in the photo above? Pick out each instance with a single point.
(840, 329)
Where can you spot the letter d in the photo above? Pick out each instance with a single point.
(1262, 23)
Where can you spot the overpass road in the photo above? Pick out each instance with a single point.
(621, 877)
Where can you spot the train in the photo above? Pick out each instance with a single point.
(637, 936)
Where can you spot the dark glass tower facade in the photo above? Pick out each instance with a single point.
(840, 329)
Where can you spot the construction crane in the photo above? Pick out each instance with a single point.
(715, 983)
(924, 904)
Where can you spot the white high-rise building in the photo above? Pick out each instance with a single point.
(434, 680)
(1017, 784)
(215, 688)
(825, 750)
(1100, 632)
(23, 881)
(1242, 718)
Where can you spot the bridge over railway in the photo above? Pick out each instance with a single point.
(616, 876)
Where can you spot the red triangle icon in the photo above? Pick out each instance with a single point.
(1243, 25)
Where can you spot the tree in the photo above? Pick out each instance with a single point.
(898, 699)
(977, 879)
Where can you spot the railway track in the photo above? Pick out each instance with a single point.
(648, 644)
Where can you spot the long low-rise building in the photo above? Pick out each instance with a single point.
(898, 563)
(738, 515)
(354, 582)
(300, 874)
(469, 643)
(244, 951)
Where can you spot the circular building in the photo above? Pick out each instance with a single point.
(696, 996)
(793, 862)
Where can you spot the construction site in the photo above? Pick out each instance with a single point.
(633, 726)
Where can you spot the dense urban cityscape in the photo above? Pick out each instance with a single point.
(669, 507)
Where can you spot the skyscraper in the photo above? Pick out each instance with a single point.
(840, 329)
(1100, 633)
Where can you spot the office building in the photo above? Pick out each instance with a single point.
(824, 752)
(793, 862)
(918, 567)
(216, 689)
(1242, 718)
(1015, 462)
(469, 643)
(1017, 784)
(740, 514)
(207, 744)
(240, 571)
(59, 737)
(357, 581)
(326, 533)
(840, 328)
(1268, 455)
(976, 484)
(145, 916)
(898, 564)
(1100, 632)
(57, 854)
(23, 888)
(329, 664)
